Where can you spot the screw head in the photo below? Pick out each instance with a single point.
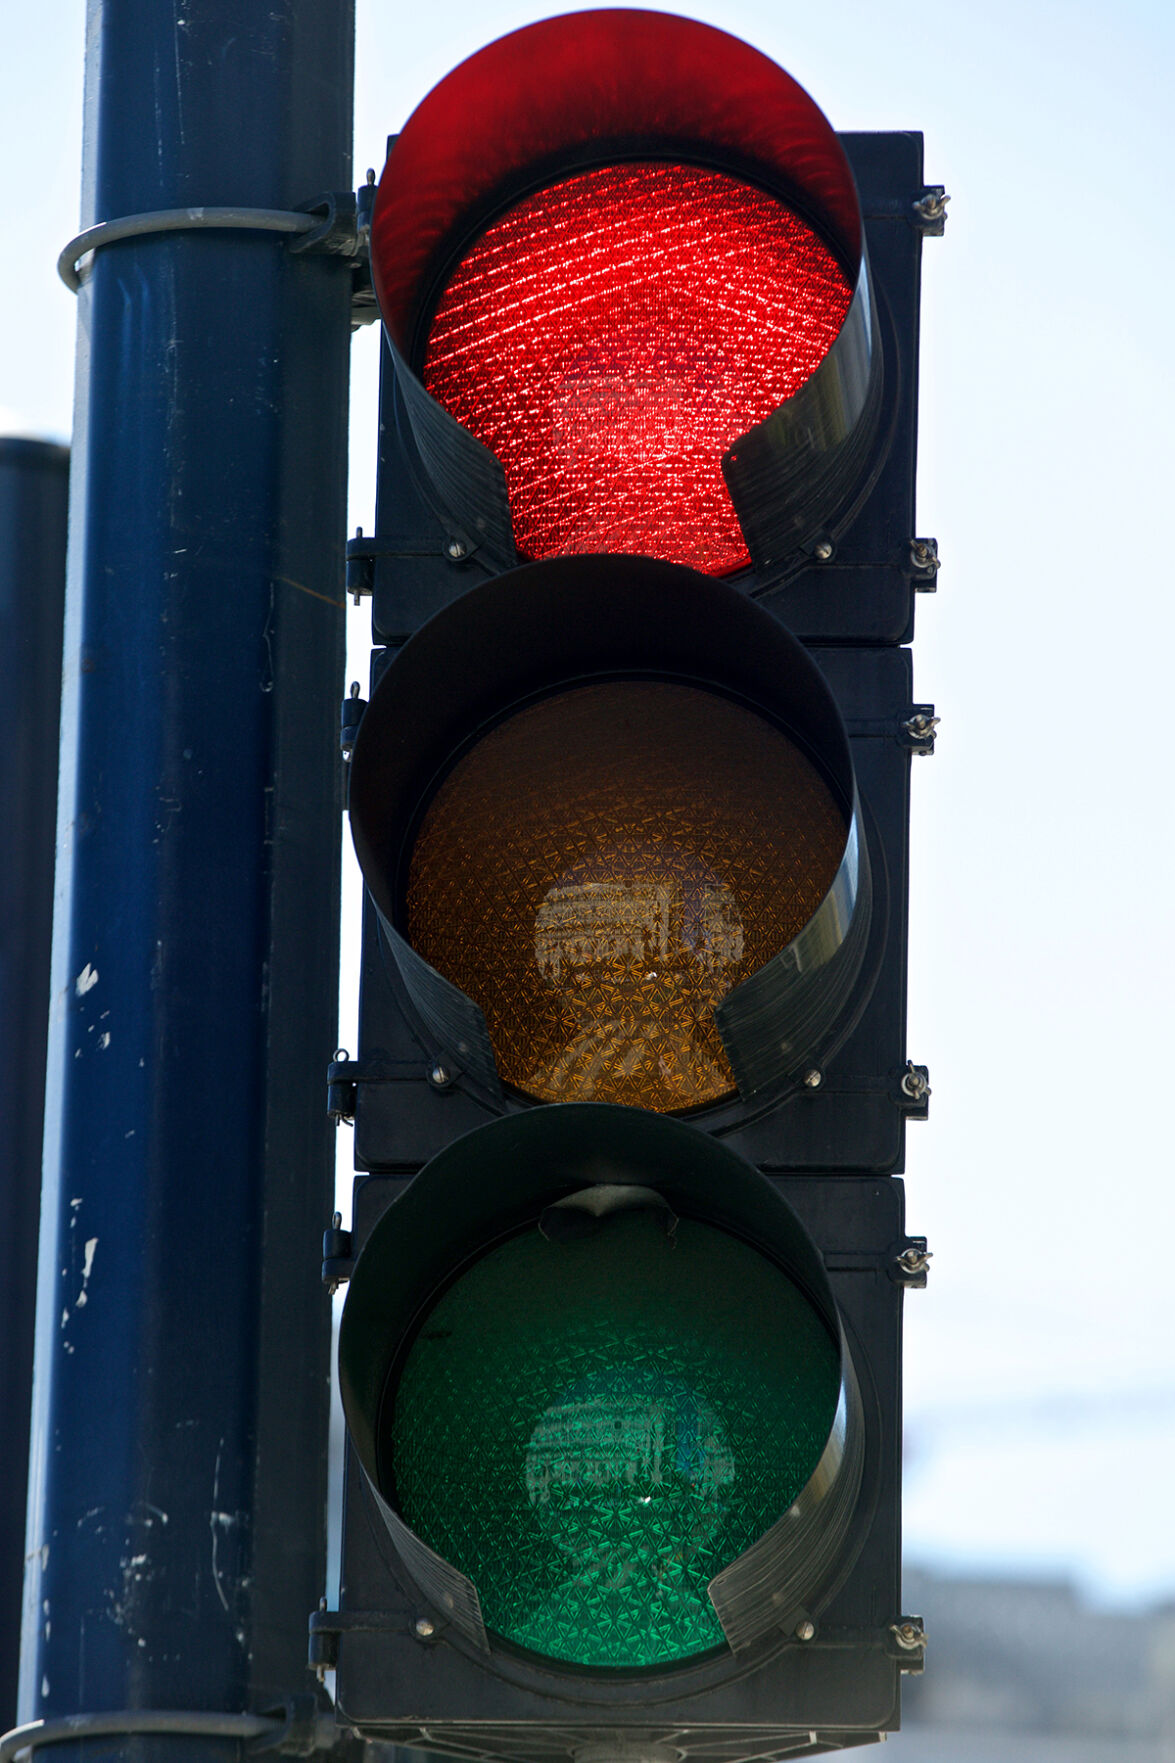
(813, 1078)
(822, 550)
(805, 1631)
(438, 1076)
(423, 1629)
(455, 549)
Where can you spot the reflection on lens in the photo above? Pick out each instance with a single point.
(600, 870)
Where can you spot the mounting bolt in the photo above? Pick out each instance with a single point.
(455, 550)
(932, 207)
(920, 727)
(915, 1082)
(925, 558)
(440, 1077)
(813, 1078)
(914, 1260)
(909, 1634)
(423, 1628)
(822, 550)
(805, 1630)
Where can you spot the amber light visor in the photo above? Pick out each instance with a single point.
(650, 425)
(660, 894)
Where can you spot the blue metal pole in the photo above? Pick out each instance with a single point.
(34, 480)
(178, 1474)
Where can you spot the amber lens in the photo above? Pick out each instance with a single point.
(602, 867)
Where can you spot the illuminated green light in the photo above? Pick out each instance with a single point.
(592, 1429)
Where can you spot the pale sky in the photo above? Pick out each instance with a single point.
(1041, 1360)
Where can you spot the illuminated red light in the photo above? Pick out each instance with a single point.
(611, 336)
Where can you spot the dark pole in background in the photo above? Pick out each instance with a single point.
(178, 1475)
(34, 480)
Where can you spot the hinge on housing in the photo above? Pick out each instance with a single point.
(338, 1259)
(351, 716)
(362, 552)
(342, 1078)
(344, 1075)
(360, 578)
(326, 1626)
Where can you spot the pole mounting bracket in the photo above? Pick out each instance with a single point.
(336, 223)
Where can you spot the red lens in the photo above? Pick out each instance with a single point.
(611, 336)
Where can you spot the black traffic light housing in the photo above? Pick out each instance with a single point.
(465, 637)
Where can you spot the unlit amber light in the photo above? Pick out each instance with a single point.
(603, 867)
(610, 337)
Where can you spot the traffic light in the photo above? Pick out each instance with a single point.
(620, 1357)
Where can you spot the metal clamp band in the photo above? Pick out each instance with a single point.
(132, 1720)
(298, 1728)
(175, 220)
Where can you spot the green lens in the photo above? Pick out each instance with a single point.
(592, 1429)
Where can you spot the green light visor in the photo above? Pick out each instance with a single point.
(594, 1373)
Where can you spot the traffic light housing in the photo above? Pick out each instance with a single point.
(631, 801)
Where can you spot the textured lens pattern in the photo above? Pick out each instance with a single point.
(603, 867)
(611, 336)
(592, 1429)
